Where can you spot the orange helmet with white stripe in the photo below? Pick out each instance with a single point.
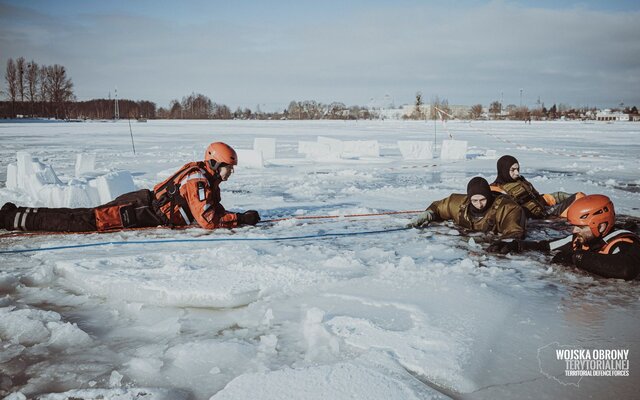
(593, 210)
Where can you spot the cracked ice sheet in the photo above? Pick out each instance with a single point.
(371, 378)
(525, 302)
(191, 279)
(434, 334)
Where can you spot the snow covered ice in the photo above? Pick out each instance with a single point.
(403, 315)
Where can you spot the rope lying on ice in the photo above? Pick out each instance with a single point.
(343, 216)
(176, 228)
(197, 240)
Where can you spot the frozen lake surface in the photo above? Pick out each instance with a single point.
(407, 314)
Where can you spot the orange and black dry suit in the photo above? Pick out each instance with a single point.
(190, 196)
(617, 255)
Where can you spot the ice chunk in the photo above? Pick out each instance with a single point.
(77, 196)
(16, 396)
(416, 149)
(250, 158)
(26, 327)
(453, 150)
(85, 163)
(336, 381)
(12, 176)
(91, 191)
(268, 344)
(66, 335)
(128, 393)
(315, 151)
(193, 288)
(115, 379)
(51, 195)
(320, 342)
(361, 148)
(40, 182)
(336, 147)
(113, 185)
(24, 163)
(267, 146)
(194, 364)
(7, 282)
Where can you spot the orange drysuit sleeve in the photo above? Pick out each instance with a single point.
(204, 203)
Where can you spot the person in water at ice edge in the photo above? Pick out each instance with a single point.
(536, 205)
(190, 196)
(479, 210)
(596, 245)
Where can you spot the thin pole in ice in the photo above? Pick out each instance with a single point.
(131, 132)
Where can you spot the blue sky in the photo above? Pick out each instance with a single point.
(250, 53)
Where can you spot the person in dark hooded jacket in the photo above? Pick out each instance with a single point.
(479, 210)
(536, 205)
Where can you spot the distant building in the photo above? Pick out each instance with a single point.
(608, 115)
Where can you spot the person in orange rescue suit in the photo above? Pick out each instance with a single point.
(479, 210)
(536, 205)
(191, 196)
(596, 245)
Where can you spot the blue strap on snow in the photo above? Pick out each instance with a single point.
(219, 239)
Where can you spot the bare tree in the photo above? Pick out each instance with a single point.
(60, 88)
(175, 110)
(337, 110)
(418, 112)
(11, 77)
(476, 111)
(221, 111)
(442, 105)
(32, 83)
(21, 68)
(197, 106)
(294, 111)
(43, 90)
(495, 108)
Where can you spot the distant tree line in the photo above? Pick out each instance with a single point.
(36, 90)
(199, 106)
(540, 112)
(105, 109)
(310, 109)
(195, 106)
(45, 91)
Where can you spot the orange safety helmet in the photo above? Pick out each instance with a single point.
(592, 210)
(220, 153)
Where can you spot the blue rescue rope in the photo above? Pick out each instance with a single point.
(221, 239)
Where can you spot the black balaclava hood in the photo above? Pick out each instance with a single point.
(504, 165)
(479, 185)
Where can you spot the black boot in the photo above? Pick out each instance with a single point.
(11, 216)
(6, 218)
(8, 207)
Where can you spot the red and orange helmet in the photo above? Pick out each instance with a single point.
(220, 153)
(593, 211)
